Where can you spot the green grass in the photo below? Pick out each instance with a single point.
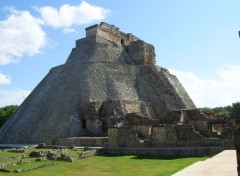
(74, 152)
(4, 154)
(112, 165)
(32, 164)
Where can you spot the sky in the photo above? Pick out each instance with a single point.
(195, 40)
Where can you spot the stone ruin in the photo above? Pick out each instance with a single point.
(109, 87)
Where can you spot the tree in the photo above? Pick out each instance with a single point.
(236, 110)
(207, 110)
(6, 112)
(218, 111)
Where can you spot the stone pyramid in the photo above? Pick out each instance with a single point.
(107, 76)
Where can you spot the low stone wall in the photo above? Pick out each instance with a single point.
(162, 133)
(165, 152)
(163, 136)
(88, 153)
(187, 117)
(83, 141)
(124, 137)
(225, 143)
(187, 132)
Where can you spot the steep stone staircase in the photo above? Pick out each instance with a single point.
(187, 132)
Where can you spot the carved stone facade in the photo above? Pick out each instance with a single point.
(110, 33)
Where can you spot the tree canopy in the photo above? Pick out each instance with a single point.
(6, 112)
(236, 110)
(231, 110)
(218, 111)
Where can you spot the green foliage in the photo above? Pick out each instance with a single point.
(233, 111)
(236, 110)
(6, 112)
(207, 110)
(218, 111)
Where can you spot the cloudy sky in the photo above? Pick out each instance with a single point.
(196, 40)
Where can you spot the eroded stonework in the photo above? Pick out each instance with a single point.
(109, 80)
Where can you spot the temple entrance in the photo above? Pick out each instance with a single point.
(83, 124)
(104, 126)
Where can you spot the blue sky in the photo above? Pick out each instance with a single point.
(196, 40)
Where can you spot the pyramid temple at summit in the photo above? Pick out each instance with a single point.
(110, 81)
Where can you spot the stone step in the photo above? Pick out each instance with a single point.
(188, 132)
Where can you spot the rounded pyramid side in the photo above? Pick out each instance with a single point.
(98, 73)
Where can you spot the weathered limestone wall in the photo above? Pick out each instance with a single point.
(143, 131)
(188, 117)
(163, 133)
(226, 143)
(187, 132)
(110, 108)
(94, 125)
(59, 99)
(89, 153)
(113, 140)
(202, 127)
(123, 137)
(83, 141)
(110, 33)
(174, 152)
(98, 49)
(220, 126)
(142, 53)
(114, 37)
(175, 83)
(164, 136)
(155, 82)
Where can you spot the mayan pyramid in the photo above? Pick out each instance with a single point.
(107, 76)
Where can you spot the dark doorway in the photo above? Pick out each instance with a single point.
(84, 124)
(104, 126)
(122, 42)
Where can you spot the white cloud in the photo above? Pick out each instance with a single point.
(222, 91)
(5, 79)
(20, 34)
(69, 30)
(13, 97)
(67, 15)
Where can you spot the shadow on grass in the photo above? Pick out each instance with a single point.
(135, 157)
(158, 157)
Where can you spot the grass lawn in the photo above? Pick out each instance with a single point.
(114, 165)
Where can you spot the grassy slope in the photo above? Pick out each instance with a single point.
(114, 165)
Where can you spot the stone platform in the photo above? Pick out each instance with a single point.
(222, 164)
